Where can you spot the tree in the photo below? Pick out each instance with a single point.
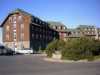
(55, 45)
(81, 48)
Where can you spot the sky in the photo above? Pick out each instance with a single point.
(70, 12)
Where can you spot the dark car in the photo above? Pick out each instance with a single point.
(6, 51)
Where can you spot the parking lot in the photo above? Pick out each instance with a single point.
(35, 65)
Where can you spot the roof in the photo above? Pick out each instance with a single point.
(20, 10)
(13, 12)
(85, 26)
(17, 11)
(55, 23)
(75, 33)
(73, 30)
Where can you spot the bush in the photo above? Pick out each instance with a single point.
(82, 48)
(56, 45)
(75, 49)
(72, 50)
(51, 48)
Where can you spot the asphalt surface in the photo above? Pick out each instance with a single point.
(35, 65)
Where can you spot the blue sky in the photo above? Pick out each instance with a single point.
(70, 12)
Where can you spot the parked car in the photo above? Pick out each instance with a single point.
(6, 51)
(24, 51)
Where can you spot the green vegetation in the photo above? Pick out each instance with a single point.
(75, 49)
(56, 45)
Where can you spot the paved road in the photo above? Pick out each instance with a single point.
(35, 65)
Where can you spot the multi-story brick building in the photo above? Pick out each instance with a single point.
(81, 31)
(22, 30)
(85, 31)
(88, 31)
(60, 28)
(74, 33)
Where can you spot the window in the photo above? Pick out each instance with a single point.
(7, 36)
(14, 39)
(22, 26)
(39, 22)
(14, 25)
(32, 35)
(14, 30)
(64, 34)
(14, 19)
(64, 28)
(7, 28)
(14, 34)
(10, 19)
(20, 19)
(36, 20)
(61, 27)
(22, 36)
(40, 36)
(92, 32)
(56, 27)
(37, 36)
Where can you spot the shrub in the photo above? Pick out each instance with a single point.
(75, 49)
(51, 48)
(56, 45)
(82, 48)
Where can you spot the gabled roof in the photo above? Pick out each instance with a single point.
(20, 10)
(2, 23)
(17, 11)
(13, 12)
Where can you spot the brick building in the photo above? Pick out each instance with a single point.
(84, 31)
(88, 31)
(60, 28)
(65, 33)
(22, 30)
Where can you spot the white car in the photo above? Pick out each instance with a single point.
(24, 51)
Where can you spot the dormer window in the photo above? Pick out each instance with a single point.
(10, 19)
(56, 27)
(36, 20)
(14, 19)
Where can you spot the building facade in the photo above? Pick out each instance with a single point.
(22, 30)
(88, 31)
(65, 33)
(60, 28)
